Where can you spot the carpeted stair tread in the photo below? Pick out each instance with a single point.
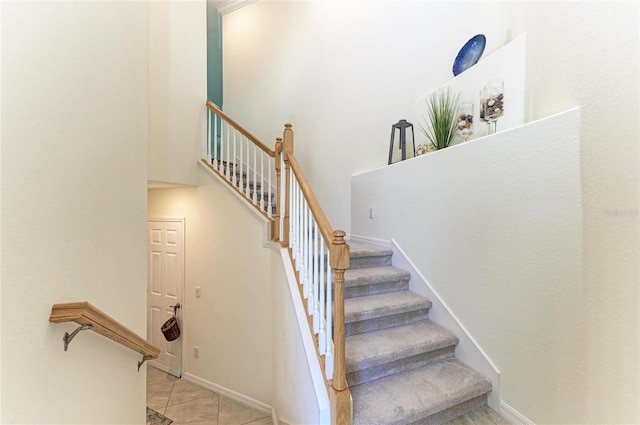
(375, 280)
(433, 393)
(368, 255)
(387, 345)
(375, 306)
(373, 312)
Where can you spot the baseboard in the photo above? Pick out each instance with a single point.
(375, 241)
(226, 392)
(275, 420)
(513, 416)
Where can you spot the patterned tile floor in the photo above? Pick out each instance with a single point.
(188, 403)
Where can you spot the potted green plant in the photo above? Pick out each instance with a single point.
(442, 117)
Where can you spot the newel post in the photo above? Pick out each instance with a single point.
(275, 234)
(340, 395)
(287, 146)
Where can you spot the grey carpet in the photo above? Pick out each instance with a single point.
(401, 367)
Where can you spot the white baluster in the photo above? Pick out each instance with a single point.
(234, 178)
(307, 260)
(255, 175)
(328, 357)
(214, 142)
(261, 180)
(208, 141)
(291, 216)
(241, 181)
(247, 182)
(220, 147)
(316, 283)
(227, 138)
(303, 241)
(271, 166)
(322, 336)
(295, 220)
(299, 239)
(311, 304)
(283, 194)
(299, 195)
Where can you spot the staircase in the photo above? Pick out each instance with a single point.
(401, 367)
(243, 181)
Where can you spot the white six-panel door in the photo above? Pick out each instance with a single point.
(165, 282)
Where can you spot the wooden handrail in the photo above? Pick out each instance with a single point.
(314, 205)
(266, 149)
(83, 313)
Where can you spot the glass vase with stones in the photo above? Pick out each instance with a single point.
(492, 104)
(465, 120)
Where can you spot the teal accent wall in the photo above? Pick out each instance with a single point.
(214, 54)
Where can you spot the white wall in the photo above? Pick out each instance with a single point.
(245, 322)
(494, 225)
(231, 322)
(74, 155)
(586, 53)
(177, 89)
(342, 73)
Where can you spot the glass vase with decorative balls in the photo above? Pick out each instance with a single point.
(492, 104)
(465, 120)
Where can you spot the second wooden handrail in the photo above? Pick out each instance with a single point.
(85, 314)
(241, 129)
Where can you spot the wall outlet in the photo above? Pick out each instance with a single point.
(198, 292)
(196, 352)
(371, 213)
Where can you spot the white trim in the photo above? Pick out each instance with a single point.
(513, 416)
(244, 202)
(231, 5)
(315, 369)
(367, 239)
(226, 392)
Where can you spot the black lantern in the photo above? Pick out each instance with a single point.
(400, 150)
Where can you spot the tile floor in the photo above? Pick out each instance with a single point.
(188, 403)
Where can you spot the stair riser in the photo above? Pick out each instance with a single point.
(375, 288)
(384, 322)
(453, 412)
(379, 371)
(369, 261)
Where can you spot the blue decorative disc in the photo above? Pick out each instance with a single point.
(469, 54)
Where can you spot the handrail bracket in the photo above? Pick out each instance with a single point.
(144, 359)
(69, 336)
